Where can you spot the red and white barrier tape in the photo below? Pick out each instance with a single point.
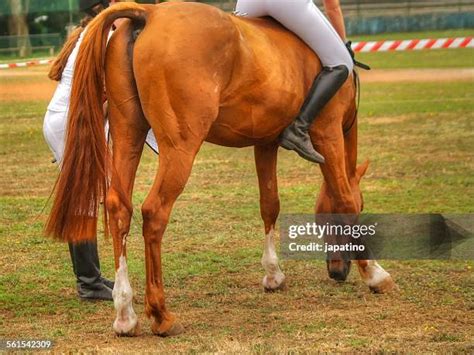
(413, 44)
(373, 46)
(25, 64)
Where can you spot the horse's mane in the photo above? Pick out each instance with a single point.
(56, 71)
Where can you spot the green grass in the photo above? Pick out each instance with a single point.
(437, 58)
(419, 138)
(387, 99)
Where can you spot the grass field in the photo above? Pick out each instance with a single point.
(419, 137)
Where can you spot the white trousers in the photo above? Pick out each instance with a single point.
(304, 19)
(54, 130)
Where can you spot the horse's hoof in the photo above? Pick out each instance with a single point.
(274, 283)
(165, 329)
(387, 285)
(126, 330)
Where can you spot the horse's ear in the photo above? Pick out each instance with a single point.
(362, 169)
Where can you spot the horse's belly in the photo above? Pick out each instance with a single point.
(226, 132)
(253, 120)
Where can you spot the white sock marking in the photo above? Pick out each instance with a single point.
(123, 296)
(274, 276)
(376, 274)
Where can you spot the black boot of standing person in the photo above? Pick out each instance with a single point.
(90, 283)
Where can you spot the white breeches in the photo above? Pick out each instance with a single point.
(54, 130)
(303, 18)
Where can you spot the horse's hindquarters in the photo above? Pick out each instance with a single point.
(250, 76)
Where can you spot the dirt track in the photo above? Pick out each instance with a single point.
(417, 75)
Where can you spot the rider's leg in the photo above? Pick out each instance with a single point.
(251, 8)
(304, 19)
(295, 137)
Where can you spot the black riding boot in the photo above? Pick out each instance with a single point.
(296, 136)
(85, 262)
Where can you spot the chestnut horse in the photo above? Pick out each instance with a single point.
(193, 73)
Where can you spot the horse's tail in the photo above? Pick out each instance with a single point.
(86, 166)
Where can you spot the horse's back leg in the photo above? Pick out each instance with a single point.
(181, 119)
(266, 162)
(174, 170)
(128, 140)
(128, 129)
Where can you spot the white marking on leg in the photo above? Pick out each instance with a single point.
(122, 293)
(274, 277)
(376, 274)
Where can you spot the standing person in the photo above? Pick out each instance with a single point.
(327, 39)
(85, 259)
